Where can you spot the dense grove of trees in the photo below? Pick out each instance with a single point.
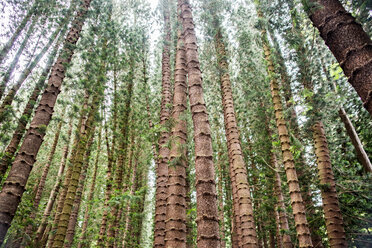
(203, 123)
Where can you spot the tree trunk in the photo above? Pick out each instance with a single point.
(332, 212)
(162, 169)
(298, 208)
(53, 194)
(14, 185)
(76, 172)
(221, 214)
(90, 196)
(9, 44)
(79, 193)
(238, 171)
(40, 188)
(175, 233)
(206, 198)
(10, 150)
(13, 64)
(348, 42)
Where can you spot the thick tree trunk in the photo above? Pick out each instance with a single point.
(79, 193)
(10, 150)
(55, 190)
(82, 239)
(206, 195)
(332, 212)
(348, 42)
(238, 171)
(175, 232)
(298, 208)
(14, 185)
(162, 169)
(43, 178)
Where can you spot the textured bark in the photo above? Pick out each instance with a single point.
(238, 171)
(79, 193)
(40, 188)
(80, 129)
(76, 172)
(162, 169)
(53, 194)
(175, 232)
(9, 44)
(361, 153)
(82, 239)
(13, 64)
(221, 212)
(298, 208)
(8, 99)
(348, 42)
(206, 197)
(304, 176)
(10, 150)
(332, 212)
(14, 185)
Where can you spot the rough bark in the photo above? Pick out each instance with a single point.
(82, 241)
(76, 172)
(332, 212)
(298, 208)
(14, 185)
(10, 150)
(175, 232)
(206, 198)
(79, 193)
(348, 42)
(162, 169)
(238, 171)
(43, 178)
(53, 194)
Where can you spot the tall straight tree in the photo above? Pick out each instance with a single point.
(14, 185)
(175, 232)
(348, 42)
(238, 173)
(298, 208)
(206, 198)
(162, 169)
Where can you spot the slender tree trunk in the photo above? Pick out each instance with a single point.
(82, 239)
(81, 127)
(348, 42)
(206, 198)
(79, 193)
(298, 208)
(14, 185)
(76, 172)
(332, 212)
(8, 99)
(361, 153)
(9, 44)
(10, 150)
(221, 214)
(162, 169)
(175, 233)
(15, 60)
(40, 188)
(55, 190)
(238, 171)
